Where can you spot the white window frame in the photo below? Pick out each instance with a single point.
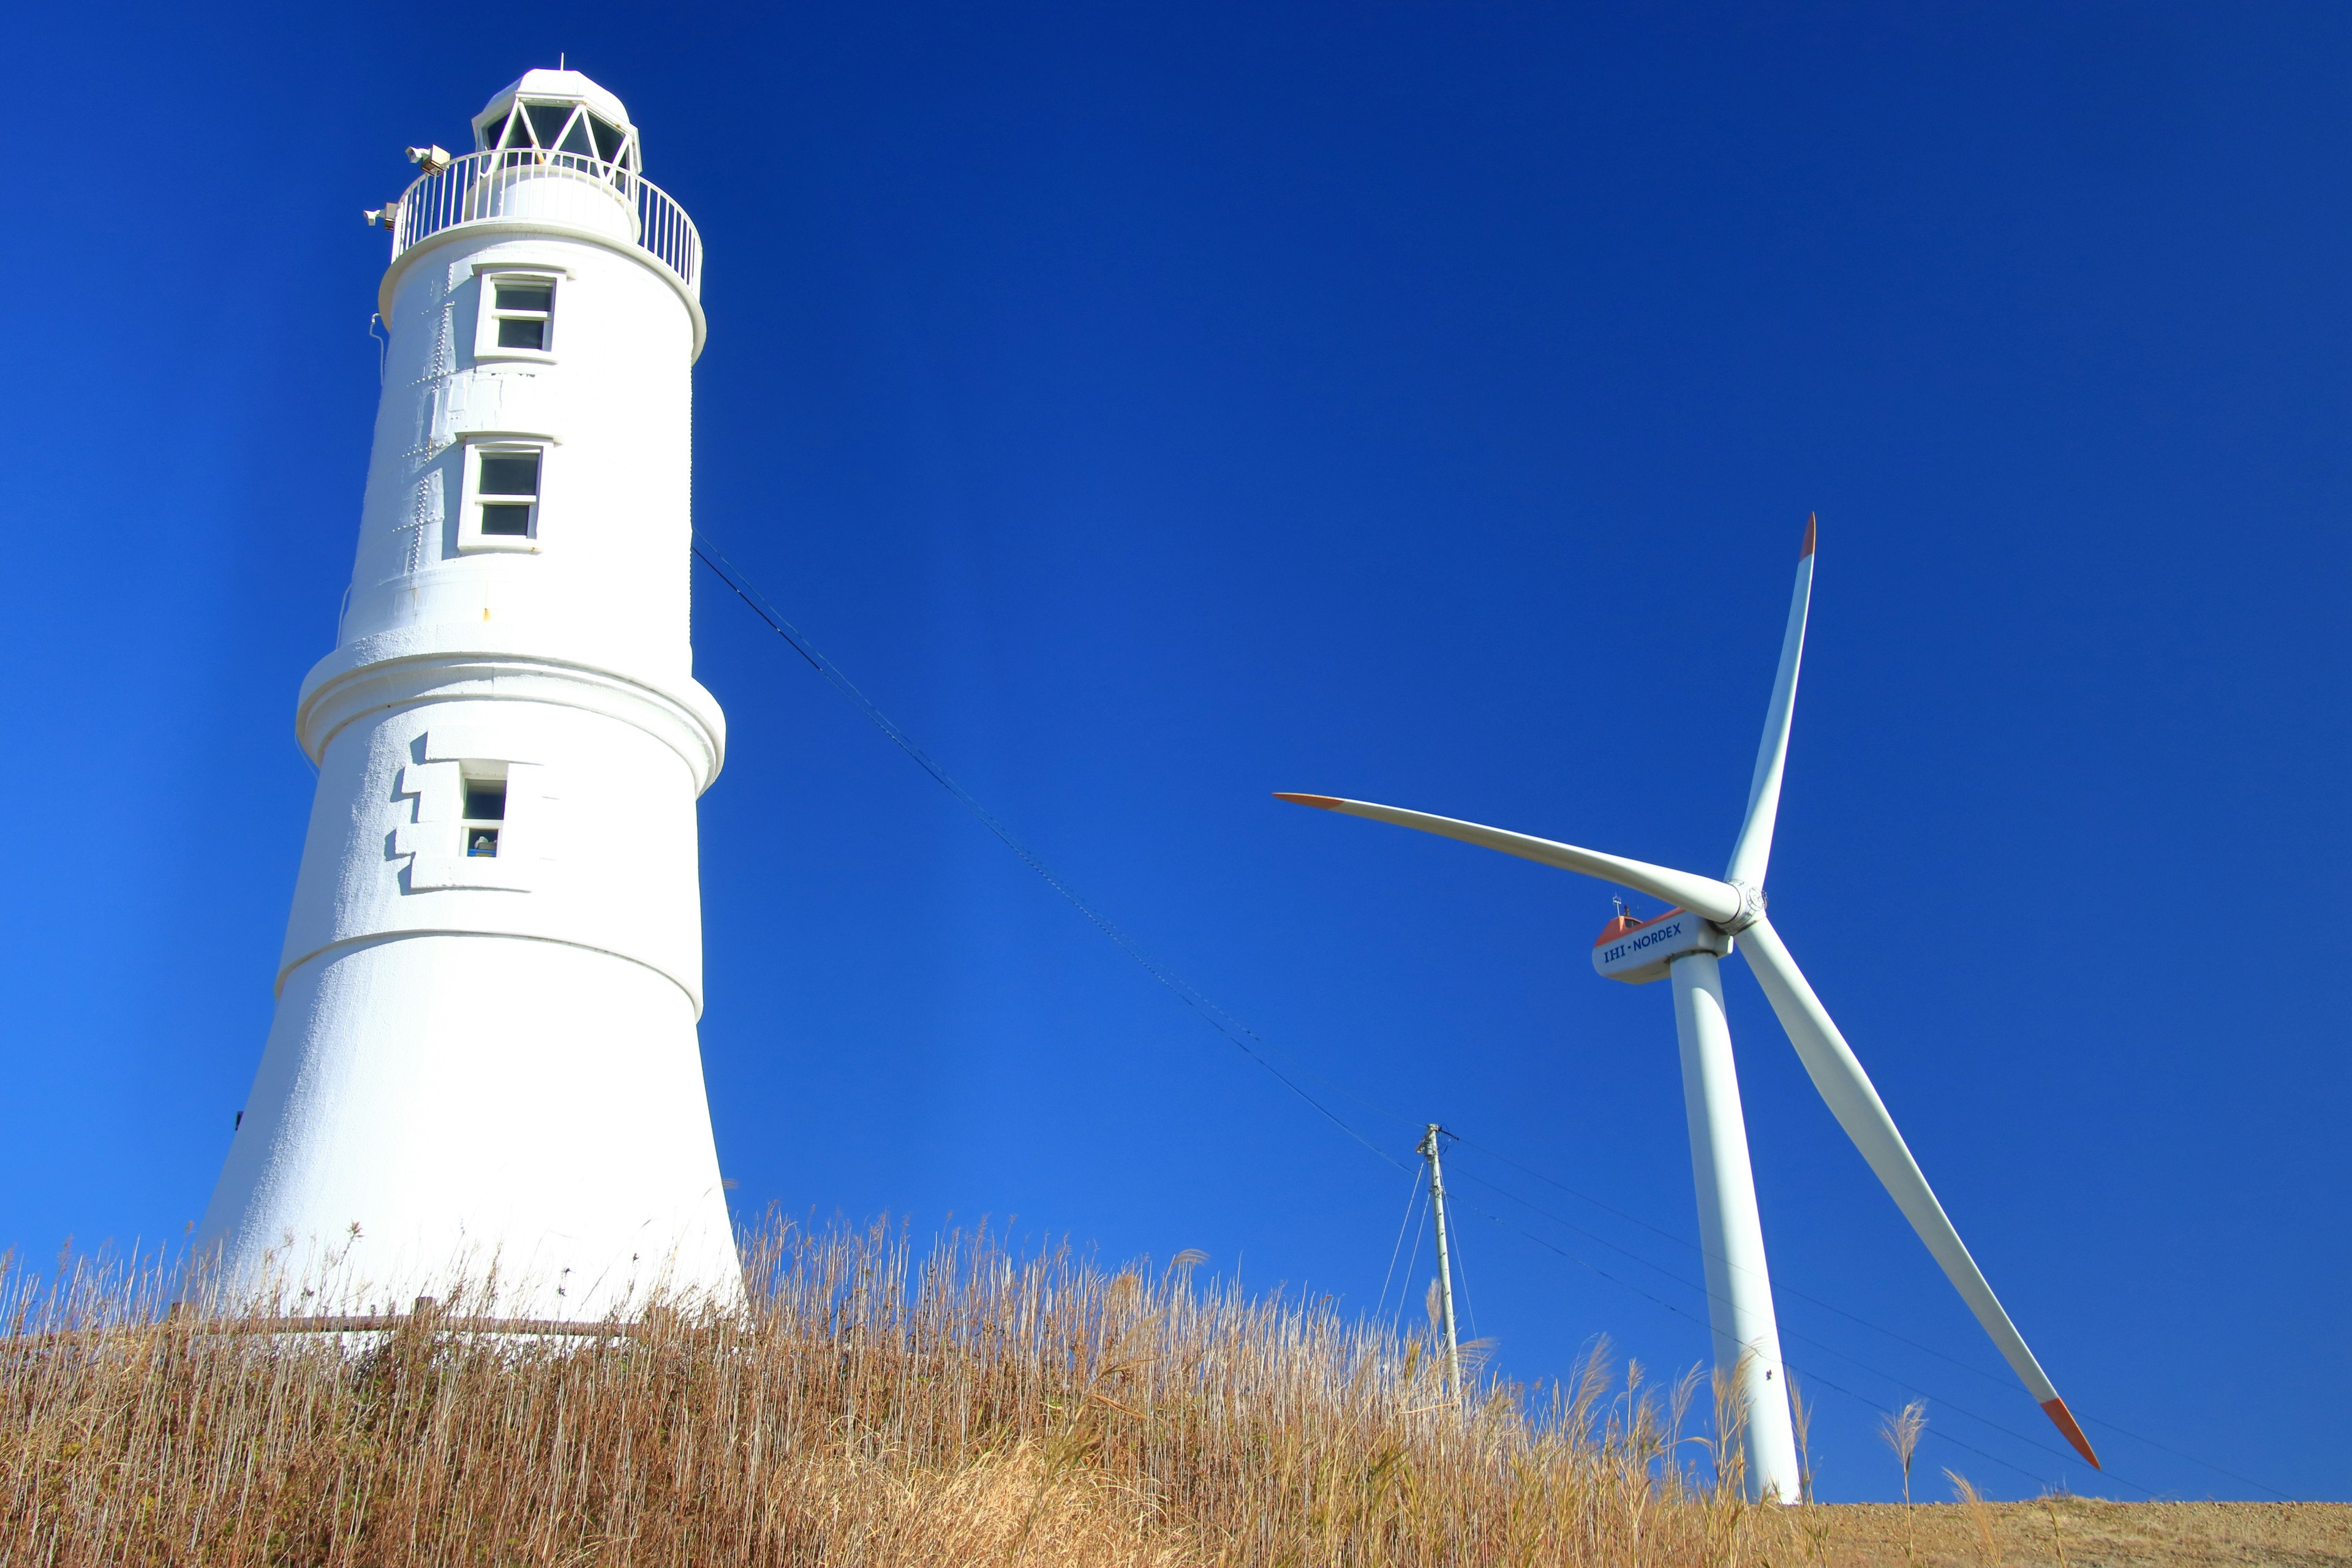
(487, 315)
(471, 539)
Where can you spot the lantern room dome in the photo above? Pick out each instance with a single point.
(560, 110)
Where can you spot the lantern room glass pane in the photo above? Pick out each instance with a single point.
(510, 473)
(547, 120)
(608, 138)
(576, 139)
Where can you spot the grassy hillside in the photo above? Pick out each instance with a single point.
(968, 1407)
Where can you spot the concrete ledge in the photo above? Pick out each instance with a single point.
(355, 682)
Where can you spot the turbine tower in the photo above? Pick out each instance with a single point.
(484, 1052)
(1708, 919)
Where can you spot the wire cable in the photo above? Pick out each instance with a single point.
(1810, 1375)
(1254, 1047)
(1411, 1192)
(1404, 1285)
(1789, 1334)
(1244, 1039)
(1781, 1288)
(1706, 1292)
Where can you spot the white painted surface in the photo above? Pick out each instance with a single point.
(555, 86)
(1715, 900)
(1741, 1301)
(479, 1060)
(608, 582)
(1739, 1291)
(1853, 1099)
(1752, 854)
(1643, 953)
(470, 1100)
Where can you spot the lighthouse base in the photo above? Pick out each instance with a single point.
(521, 1120)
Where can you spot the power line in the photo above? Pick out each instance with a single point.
(1413, 1193)
(1905, 1382)
(1243, 1039)
(1780, 1287)
(1255, 1049)
(1812, 1376)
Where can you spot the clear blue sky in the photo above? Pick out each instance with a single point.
(1156, 408)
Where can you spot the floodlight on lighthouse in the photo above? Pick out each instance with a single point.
(484, 1055)
(1708, 918)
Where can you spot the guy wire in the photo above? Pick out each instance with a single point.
(1255, 1049)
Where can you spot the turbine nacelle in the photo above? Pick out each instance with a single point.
(1638, 951)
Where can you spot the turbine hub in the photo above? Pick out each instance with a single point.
(1751, 908)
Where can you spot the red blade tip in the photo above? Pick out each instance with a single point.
(1319, 801)
(1811, 519)
(2064, 1419)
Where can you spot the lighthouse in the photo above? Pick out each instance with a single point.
(484, 1056)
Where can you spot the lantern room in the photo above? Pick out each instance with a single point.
(560, 111)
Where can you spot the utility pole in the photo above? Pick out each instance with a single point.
(1428, 1151)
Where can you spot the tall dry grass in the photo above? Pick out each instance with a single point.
(970, 1405)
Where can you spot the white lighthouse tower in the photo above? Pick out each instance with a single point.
(484, 1050)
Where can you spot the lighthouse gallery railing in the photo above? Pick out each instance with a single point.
(563, 188)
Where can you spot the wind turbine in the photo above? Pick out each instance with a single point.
(1709, 918)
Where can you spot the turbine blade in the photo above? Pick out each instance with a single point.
(1749, 855)
(1853, 1100)
(1704, 895)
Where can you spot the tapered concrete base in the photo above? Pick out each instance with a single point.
(435, 1107)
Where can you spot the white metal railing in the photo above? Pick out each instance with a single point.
(525, 184)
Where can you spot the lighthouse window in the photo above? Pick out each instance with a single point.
(502, 496)
(509, 492)
(486, 814)
(608, 138)
(515, 134)
(518, 314)
(547, 122)
(552, 127)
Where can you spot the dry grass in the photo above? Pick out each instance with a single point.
(2083, 1532)
(872, 1408)
(968, 1407)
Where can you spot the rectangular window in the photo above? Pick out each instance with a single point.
(503, 498)
(485, 816)
(524, 312)
(517, 316)
(509, 492)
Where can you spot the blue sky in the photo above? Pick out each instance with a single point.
(1151, 408)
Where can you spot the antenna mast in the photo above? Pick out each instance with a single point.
(1428, 1151)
